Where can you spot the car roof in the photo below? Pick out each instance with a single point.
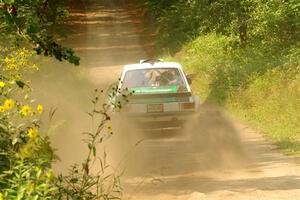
(152, 65)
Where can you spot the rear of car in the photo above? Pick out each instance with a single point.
(161, 96)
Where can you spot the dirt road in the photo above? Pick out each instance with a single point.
(216, 158)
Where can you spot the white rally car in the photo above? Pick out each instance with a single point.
(161, 94)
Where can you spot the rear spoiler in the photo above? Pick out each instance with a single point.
(163, 95)
(151, 61)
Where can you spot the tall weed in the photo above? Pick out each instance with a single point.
(258, 83)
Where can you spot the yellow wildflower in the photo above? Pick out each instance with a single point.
(2, 109)
(32, 133)
(6, 60)
(22, 53)
(34, 66)
(26, 110)
(24, 62)
(9, 104)
(1, 196)
(11, 66)
(2, 84)
(40, 108)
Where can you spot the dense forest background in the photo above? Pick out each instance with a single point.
(245, 53)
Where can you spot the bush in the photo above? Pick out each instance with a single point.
(251, 21)
(26, 154)
(271, 102)
(260, 84)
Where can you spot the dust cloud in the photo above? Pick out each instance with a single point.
(205, 157)
(106, 37)
(103, 49)
(208, 142)
(64, 91)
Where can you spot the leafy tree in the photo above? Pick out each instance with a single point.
(33, 22)
(260, 21)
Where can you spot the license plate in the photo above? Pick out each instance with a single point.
(155, 108)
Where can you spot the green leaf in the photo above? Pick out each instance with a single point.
(74, 180)
(21, 84)
(94, 151)
(14, 141)
(10, 2)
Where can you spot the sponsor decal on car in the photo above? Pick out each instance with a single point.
(154, 90)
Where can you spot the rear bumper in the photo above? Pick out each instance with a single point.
(161, 113)
(156, 121)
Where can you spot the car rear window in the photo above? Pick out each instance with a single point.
(158, 80)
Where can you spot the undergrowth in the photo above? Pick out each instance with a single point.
(245, 55)
(259, 84)
(26, 153)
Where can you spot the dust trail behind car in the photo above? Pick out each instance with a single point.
(207, 159)
(106, 35)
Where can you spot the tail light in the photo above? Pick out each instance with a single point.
(187, 106)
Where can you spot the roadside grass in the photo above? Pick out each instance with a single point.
(259, 84)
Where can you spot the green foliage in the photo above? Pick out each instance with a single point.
(250, 20)
(26, 154)
(245, 54)
(260, 84)
(34, 22)
(271, 102)
(277, 22)
(29, 181)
